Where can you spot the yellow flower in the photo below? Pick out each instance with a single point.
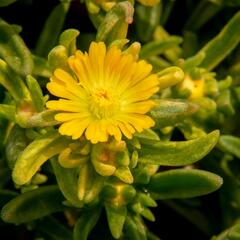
(106, 94)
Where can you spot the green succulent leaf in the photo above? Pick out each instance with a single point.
(170, 112)
(35, 154)
(13, 83)
(58, 57)
(232, 233)
(52, 29)
(116, 216)
(89, 183)
(36, 93)
(115, 24)
(4, 3)
(205, 9)
(135, 228)
(220, 46)
(33, 205)
(169, 77)
(13, 50)
(7, 111)
(147, 19)
(178, 153)
(42, 119)
(183, 183)
(86, 223)
(230, 144)
(159, 46)
(16, 143)
(41, 67)
(67, 180)
(68, 40)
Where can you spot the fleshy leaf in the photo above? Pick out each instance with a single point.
(220, 46)
(170, 112)
(52, 29)
(33, 205)
(68, 40)
(35, 154)
(159, 46)
(178, 153)
(115, 24)
(13, 83)
(232, 233)
(86, 223)
(4, 3)
(36, 93)
(116, 216)
(135, 228)
(183, 183)
(147, 18)
(170, 76)
(67, 181)
(16, 143)
(7, 111)
(230, 144)
(13, 50)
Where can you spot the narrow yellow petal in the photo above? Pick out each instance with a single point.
(60, 91)
(62, 117)
(139, 107)
(64, 76)
(66, 105)
(80, 127)
(125, 130)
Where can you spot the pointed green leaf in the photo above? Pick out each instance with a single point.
(13, 50)
(33, 205)
(205, 9)
(86, 223)
(220, 46)
(178, 153)
(35, 154)
(116, 216)
(68, 40)
(58, 57)
(42, 119)
(89, 183)
(232, 233)
(230, 144)
(8, 112)
(16, 143)
(184, 183)
(135, 228)
(159, 46)
(169, 77)
(170, 112)
(67, 180)
(147, 18)
(52, 29)
(115, 24)
(41, 67)
(13, 83)
(36, 93)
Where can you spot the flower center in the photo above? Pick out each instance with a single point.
(103, 103)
